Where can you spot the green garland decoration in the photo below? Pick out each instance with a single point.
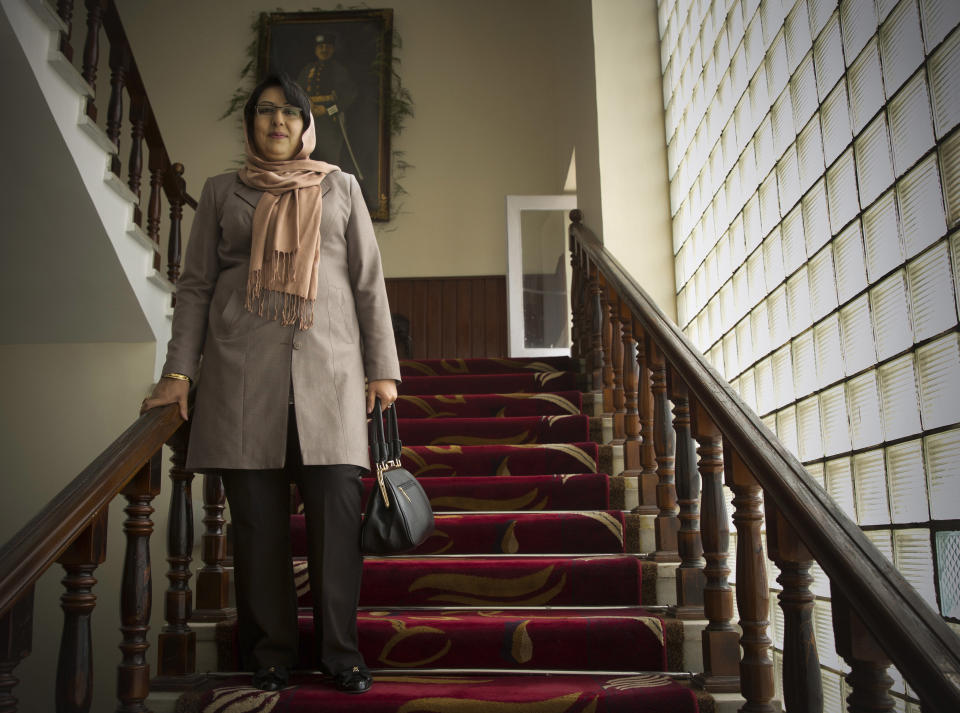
(401, 101)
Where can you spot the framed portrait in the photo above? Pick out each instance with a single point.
(342, 59)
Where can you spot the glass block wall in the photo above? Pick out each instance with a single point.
(814, 162)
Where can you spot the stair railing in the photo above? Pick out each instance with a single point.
(72, 530)
(878, 618)
(166, 178)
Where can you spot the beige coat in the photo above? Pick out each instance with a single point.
(243, 393)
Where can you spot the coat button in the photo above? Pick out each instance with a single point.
(297, 345)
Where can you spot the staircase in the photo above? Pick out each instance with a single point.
(527, 597)
(110, 212)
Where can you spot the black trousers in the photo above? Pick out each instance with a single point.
(263, 576)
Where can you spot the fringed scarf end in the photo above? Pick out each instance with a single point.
(279, 306)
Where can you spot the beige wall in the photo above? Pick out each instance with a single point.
(63, 404)
(490, 100)
(634, 186)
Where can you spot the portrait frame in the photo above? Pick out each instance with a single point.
(349, 87)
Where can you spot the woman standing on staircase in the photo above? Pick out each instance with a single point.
(287, 306)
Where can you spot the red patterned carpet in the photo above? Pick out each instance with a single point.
(463, 693)
(524, 598)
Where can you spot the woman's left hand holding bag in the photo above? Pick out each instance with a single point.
(386, 389)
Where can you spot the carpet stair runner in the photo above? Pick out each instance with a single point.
(527, 597)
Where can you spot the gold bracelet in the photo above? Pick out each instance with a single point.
(178, 377)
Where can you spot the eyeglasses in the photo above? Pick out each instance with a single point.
(289, 112)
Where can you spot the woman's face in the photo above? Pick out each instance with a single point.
(276, 136)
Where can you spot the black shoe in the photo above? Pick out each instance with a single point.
(270, 679)
(354, 680)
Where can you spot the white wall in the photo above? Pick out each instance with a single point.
(63, 404)
(634, 186)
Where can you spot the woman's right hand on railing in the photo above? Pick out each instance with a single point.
(168, 391)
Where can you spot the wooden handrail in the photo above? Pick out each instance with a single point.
(914, 637)
(39, 543)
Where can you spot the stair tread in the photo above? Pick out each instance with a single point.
(393, 691)
(466, 493)
(542, 639)
(495, 533)
(484, 365)
(531, 382)
(490, 581)
(543, 403)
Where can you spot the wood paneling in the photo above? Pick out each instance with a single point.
(453, 316)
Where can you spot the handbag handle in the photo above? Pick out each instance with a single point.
(378, 448)
(393, 446)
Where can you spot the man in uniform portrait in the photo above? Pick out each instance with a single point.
(332, 91)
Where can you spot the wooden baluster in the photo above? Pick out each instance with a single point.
(868, 679)
(616, 355)
(690, 577)
(138, 115)
(664, 444)
(213, 581)
(91, 52)
(585, 331)
(174, 243)
(16, 638)
(753, 594)
(153, 207)
(632, 464)
(574, 295)
(721, 645)
(65, 11)
(608, 339)
(118, 77)
(647, 482)
(133, 673)
(802, 688)
(177, 643)
(596, 331)
(74, 682)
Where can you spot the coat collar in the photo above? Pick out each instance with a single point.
(251, 196)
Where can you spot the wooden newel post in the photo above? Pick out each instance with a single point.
(177, 643)
(74, 683)
(802, 689)
(133, 673)
(664, 441)
(16, 638)
(213, 581)
(753, 594)
(647, 482)
(721, 645)
(690, 577)
(868, 679)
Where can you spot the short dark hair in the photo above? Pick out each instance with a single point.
(294, 93)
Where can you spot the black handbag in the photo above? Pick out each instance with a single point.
(399, 516)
